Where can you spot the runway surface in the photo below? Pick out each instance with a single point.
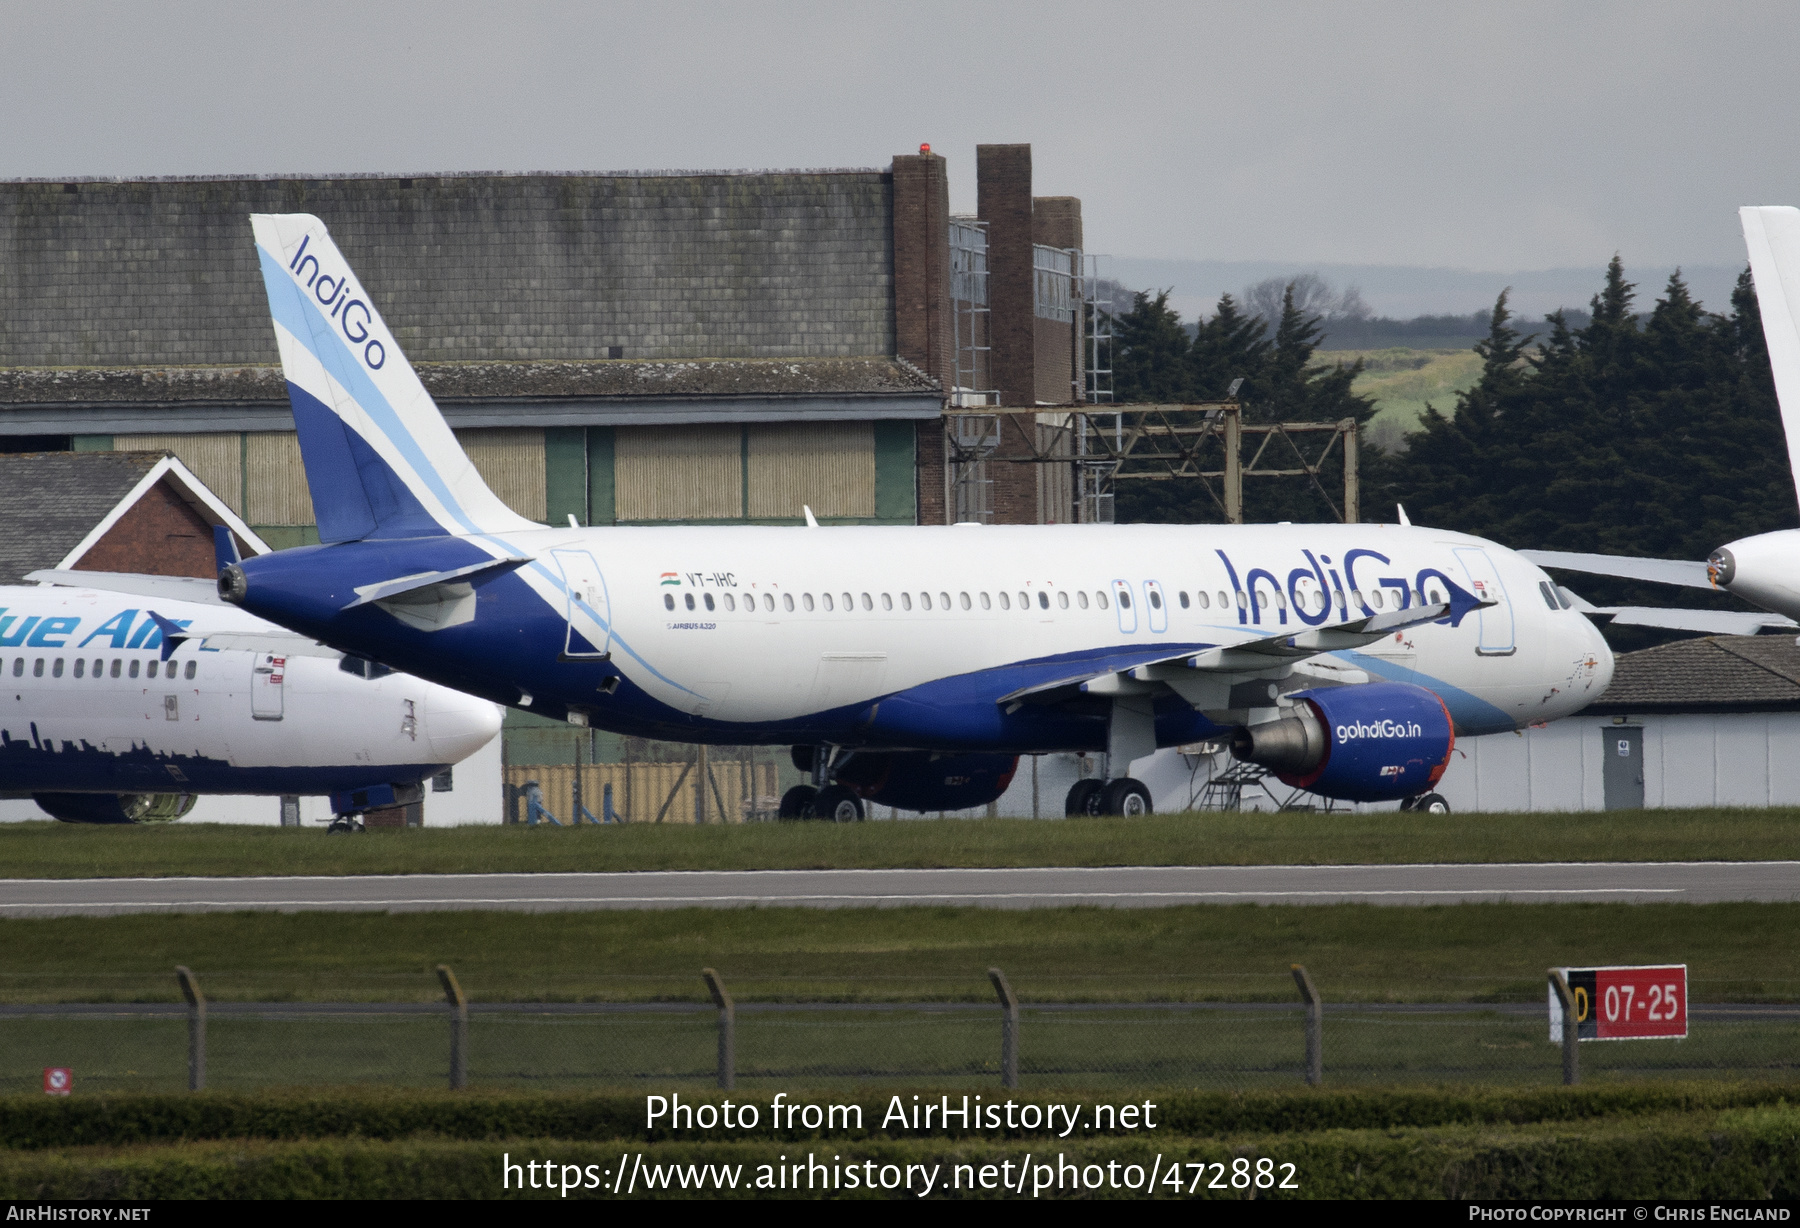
(1113, 887)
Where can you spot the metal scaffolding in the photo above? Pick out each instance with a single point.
(1201, 442)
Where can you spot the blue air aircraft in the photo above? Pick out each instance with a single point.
(908, 666)
(110, 712)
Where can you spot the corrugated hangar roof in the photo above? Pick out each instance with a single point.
(1721, 673)
(49, 501)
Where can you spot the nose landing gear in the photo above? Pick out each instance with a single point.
(1426, 803)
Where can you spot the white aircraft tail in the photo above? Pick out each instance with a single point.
(380, 459)
(1772, 233)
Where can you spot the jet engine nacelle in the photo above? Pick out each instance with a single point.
(1378, 742)
(115, 807)
(921, 780)
(1761, 570)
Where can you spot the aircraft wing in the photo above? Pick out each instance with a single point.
(167, 588)
(1656, 571)
(1206, 678)
(281, 643)
(1709, 622)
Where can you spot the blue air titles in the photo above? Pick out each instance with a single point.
(36, 631)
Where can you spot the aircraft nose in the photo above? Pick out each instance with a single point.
(1593, 646)
(458, 725)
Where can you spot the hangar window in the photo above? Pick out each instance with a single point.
(115, 668)
(944, 600)
(133, 671)
(688, 598)
(924, 601)
(1044, 600)
(37, 668)
(1005, 601)
(1544, 591)
(80, 667)
(867, 604)
(906, 601)
(1062, 600)
(1100, 597)
(668, 601)
(708, 598)
(806, 600)
(1081, 600)
(965, 600)
(189, 672)
(887, 602)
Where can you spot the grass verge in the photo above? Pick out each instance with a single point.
(58, 850)
(1356, 952)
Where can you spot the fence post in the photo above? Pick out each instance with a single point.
(1315, 1027)
(196, 1001)
(727, 1028)
(1571, 1029)
(459, 1028)
(1009, 1028)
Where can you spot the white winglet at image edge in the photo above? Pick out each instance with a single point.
(1400, 508)
(1772, 233)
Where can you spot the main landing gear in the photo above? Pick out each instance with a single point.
(832, 803)
(1124, 796)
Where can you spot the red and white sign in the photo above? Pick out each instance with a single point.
(58, 1080)
(1625, 1003)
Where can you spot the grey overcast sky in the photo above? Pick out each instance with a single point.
(1500, 136)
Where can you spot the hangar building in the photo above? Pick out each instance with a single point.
(626, 348)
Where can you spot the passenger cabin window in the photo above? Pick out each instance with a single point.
(19, 667)
(1025, 601)
(1005, 602)
(708, 598)
(944, 601)
(806, 600)
(867, 604)
(906, 601)
(1356, 597)
(1124, 600)
(1201, 597)
(1101, 599)
(985, 603)
(1242, 601)
(887, 602)
(826, 598)
(849, 603)
(787, 602)
(730, 602)
(1044, 601)
(115, 668)
(1081, 600)
(924, 601)
(56, 670)
(1184, 599)
(1224, 599)
(1155, 600)
(1062, 601)
(80, 667)
(189, 672)
(769, 602)
(688, 598)
(965, 600)
(133, 671)
(668, 601)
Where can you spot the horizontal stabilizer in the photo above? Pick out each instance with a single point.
(368, 594)
(166, 588)
(1626, 567)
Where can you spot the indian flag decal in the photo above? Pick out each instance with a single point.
(669, 577)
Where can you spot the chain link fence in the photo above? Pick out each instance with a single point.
(573, 1046)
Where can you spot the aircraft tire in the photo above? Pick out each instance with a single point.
(1431, 803)
(1083, 799)
(837, 804)
(1127, 797)
(797, 802)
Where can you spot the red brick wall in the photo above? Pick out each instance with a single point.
(922, 319)
(160, 535)
(1055, 361)
(1003, 193)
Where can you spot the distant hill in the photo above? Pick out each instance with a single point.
(1401, 294)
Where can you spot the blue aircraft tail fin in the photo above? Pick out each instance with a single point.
(380, 459)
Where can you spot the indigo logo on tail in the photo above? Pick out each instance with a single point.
(352, 316)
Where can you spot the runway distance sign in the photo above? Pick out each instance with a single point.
(1624, 1003)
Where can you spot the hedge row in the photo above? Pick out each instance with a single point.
(37, 1121)
(1753, 1154)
